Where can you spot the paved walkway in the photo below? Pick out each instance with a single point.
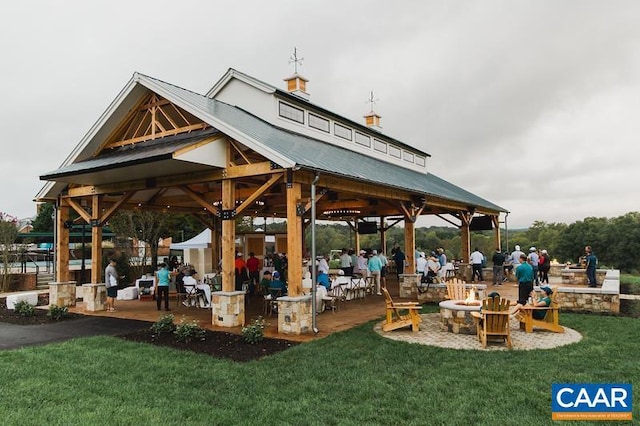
(433, 334)
(14, 336)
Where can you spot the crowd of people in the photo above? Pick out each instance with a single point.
(253, 274)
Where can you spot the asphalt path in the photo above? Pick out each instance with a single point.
(14, 336)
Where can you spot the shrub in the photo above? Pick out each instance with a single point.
(25, 309)
(163, 325)
(254, 333)
(58, 312)
(188, 331)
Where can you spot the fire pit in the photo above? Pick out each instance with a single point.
(455, 315)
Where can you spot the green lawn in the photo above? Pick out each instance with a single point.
(354, 377)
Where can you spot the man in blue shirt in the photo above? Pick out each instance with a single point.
(591, 261)
(524, 274)
(276, 283)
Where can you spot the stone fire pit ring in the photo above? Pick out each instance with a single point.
(455, 316)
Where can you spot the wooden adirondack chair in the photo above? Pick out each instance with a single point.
(395, 319)
(456, 289)
(493, 321)
(551, 320)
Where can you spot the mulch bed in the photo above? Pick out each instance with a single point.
(40, 315)
(218, 344)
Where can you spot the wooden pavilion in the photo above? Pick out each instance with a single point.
(248, 148)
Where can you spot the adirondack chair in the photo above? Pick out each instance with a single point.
(395, 319)
(493, 321)
(456, 289)
(549, 322)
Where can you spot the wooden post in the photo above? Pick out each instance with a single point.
(356, 238)
(62, 242)
(496, 226)
(215, 244)
(294, 235)
(409, 247)
(228, 236)
(383, 236)
(96, 240)
(465, 237)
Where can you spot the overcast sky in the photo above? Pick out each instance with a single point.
(533, 105)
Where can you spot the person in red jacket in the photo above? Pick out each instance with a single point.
(241, 271)
(253, 266)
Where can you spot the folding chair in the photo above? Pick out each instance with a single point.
(192, 295)
(181, 293)
(270, 300)
(337, 295)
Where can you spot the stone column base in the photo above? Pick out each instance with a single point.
(62, 294)
(94, 297)
(228, 308)
(294, 315)
(408, 286)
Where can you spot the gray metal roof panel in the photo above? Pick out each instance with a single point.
(142, 152)
(322, 156)
(302, 150)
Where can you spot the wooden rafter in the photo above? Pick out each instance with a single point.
(107, 214)
(80, 210)
(253, 197)
(233, 145)
(199, 199)
(154, 118)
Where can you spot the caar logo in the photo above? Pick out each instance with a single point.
(589, 401)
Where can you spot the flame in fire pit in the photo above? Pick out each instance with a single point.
(471, 297)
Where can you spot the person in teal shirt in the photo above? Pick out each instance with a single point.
(592, 262)
(542, 302)
(375, 266)
(163, 279)
(524, 274)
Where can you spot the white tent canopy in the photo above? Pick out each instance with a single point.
(202, 240)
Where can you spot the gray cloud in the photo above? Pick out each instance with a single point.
(531, 105)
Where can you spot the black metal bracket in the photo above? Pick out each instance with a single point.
(227, 214)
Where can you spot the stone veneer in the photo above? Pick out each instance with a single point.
(228, 308)
(408, 285)
(604, 299)
(94, 297)
(294, 315)
(62, 294)
(457, 319)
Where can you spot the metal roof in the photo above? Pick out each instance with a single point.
(321, 156)
(134, 154)
(276, 144)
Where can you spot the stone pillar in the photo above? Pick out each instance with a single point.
(408, 285)
(62, 293)
(464, 272)
(294, 315)
(228, 308)
(94, 297)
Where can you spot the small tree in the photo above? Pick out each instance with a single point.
(8, 235)
(147, 226)
(44, 220)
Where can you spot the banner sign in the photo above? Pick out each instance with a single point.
(591, 401)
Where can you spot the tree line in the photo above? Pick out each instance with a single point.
(615, 241)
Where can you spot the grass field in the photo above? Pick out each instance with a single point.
(354, 377)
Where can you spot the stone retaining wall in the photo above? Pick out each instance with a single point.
(605, 299)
